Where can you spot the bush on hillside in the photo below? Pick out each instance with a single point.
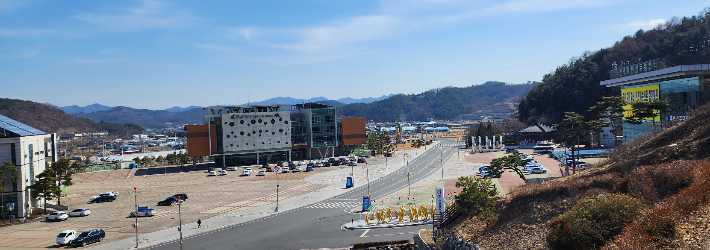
(592, 221)
(655, 183)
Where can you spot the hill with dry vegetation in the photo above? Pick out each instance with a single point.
(50, 119)
(669, 173)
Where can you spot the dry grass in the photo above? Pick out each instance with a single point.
(666, 171)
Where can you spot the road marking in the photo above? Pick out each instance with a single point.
(363, 233)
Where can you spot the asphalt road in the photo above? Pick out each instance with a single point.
(319, 225)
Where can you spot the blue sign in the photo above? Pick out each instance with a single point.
(11, 207)
(349, 182)
(365, 203)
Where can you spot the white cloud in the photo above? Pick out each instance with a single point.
(325, 38)
(112, 60)
(27, 54)
(213, 47)
(650, 24)
(151, 14)
(521, 6)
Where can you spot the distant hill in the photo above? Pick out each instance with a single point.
(333, 103)
(147, 118)
(179, 109)
(50, 119)
(348, 100)
(446, 103)
(88, 109)
(320, 99)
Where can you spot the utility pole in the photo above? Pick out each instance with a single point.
(277, 189)
(409, 187)
(135, 193)
(179, 216)
(368, 188)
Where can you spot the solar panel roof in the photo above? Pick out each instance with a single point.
(17, 127)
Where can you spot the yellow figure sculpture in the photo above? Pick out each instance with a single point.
(389, 214)
(423, 212)
(402, 213)
(415, 214)
(367, 219)
(432, 212)
(383, 218)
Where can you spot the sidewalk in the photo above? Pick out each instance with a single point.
(334, 179)
(361, 224)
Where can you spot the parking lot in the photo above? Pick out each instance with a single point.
(208, 197)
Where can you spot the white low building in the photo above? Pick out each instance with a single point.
(30, 150)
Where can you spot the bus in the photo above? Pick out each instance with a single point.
(543, 149)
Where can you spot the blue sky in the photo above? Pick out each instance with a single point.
(160, 54)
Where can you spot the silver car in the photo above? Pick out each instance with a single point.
(81, 212)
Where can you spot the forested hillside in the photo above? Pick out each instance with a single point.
(147, 118)
(50, 119)
(575, 85)
(439, 104)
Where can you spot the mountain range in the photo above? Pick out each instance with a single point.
(74, 109)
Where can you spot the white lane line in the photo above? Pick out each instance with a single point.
(363, 233)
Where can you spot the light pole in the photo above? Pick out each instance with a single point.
(441, 159)
(409, 187)
(135, 193)
(179, 203)
(277, 190)
(368, 188)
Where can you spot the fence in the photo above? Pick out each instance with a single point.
(97, 168)
(453, 211)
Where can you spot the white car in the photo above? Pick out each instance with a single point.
(261, 173)
(65, 237)
(301, 163)
(144, 212)
(212, 173)
(319, 164)
(248, 169)
(537, 170)
(297, 169)
(223, 172)
(57, 216)
(246, 173)
(482, 169)
(114, 193)
(284, 170)
(80, 212)
(232, 168)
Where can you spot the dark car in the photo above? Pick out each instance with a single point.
(183, 197)
(326, 164)
(88, 237)
(168, 201)
(292, 166)
(510, 150)
(331, 160)
(361, 160)
(336, 163)
(309, 169)
(102, 198)
(388, 154)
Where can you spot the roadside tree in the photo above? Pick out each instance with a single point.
(63, 173)
(478, 198)
(46, 186)
(647, 110)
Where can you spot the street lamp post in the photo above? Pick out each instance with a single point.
(277, 190)
(180, 219)
(135, 193)
(368, 187)
(409, 187)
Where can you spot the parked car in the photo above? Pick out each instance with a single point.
(269, 169)
(284, 170)
(246, 173)
(114, 193)
(510, 150)
(537, 170)
(301, 163)
(361, 159)
(102, 198)
(181, 196)
(309, 169)
(352, 163)
(232, 168)
(212, 173)
(388, 154)
(144, 212)
(489, 174)
(65, 237)
(319, 164)
(582, 166)
(223, 172)
(80, 212)
(482, 169)
(248, 169)
(291, 166)
(326, 164)
(261, 173)
(88, 237)
(57, 216)
(297, 169)
(336, 163)
(168, 201)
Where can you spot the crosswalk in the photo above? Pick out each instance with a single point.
(335, 204)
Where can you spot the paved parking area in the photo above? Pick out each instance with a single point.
(210, 198)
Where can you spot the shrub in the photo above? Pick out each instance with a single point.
(592, 221)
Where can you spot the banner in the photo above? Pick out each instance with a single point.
(440, 201)
(644, 94)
